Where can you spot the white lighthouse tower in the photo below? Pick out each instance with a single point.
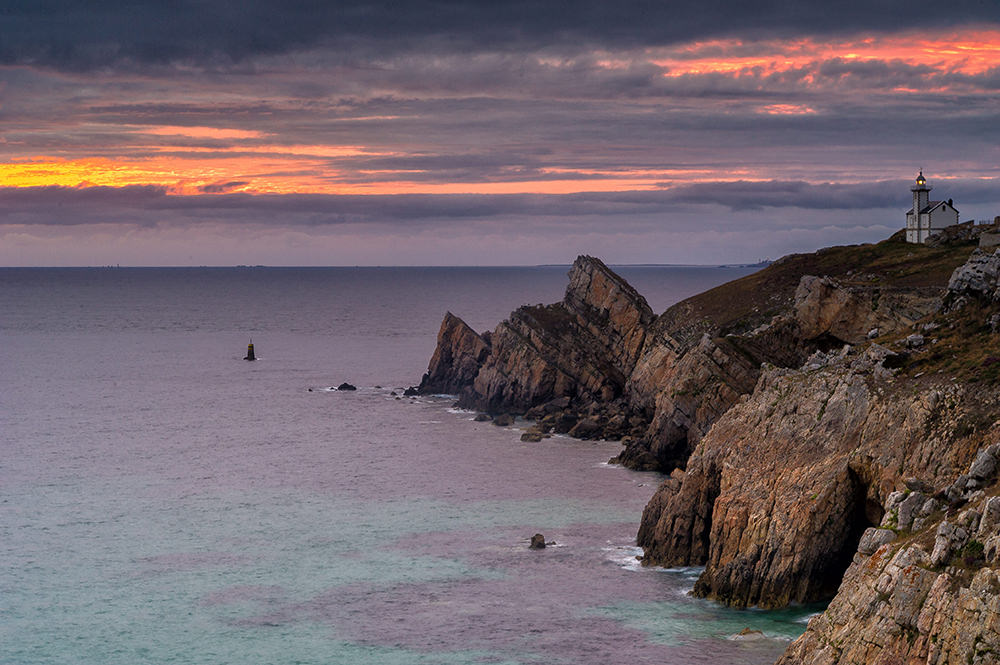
(927, 217)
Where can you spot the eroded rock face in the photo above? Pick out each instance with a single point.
(778, 493)
(978, 278)
(459, 354)
(703, 384)
(825, 307)
(607, 307)
(907, 598)
(583, 348)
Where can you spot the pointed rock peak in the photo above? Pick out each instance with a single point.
(593, 284)
(459, 354)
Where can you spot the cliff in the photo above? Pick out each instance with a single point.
(780, 490)
(922, 588)
(459, 354)
(924, 583)
(803, 413)
(583, 348)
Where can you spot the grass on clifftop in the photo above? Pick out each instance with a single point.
(964, 348)
(745, 303)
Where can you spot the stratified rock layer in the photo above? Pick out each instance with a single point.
(776, 496)
(824, 307)
(815, 417)
(924, 588)
(583, 348)
(459, 354)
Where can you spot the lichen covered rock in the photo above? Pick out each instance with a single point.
(779, 492)
(907, 598)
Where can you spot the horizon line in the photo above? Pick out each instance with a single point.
(762, 262)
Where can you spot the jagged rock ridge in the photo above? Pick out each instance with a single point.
(798, 443)
(583, 348)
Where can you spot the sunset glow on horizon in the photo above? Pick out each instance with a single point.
(773, 120)
(258, 160)
(968, 52)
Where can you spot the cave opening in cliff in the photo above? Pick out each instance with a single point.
(827, 342)
(861, 513)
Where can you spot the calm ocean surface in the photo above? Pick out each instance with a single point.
(163, 501)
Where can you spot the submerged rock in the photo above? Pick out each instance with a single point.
(747, 635)
(346, 386)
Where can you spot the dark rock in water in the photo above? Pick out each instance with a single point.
(636, 456)
(482, 418)
(392, 393)
(551, 407)
(587, 429)
(537, 542)
(411, 391)
(564, 422)
(503, 420)
(346, 386)
(532, 436)
(747, 634)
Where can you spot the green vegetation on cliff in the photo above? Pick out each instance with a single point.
(744, 304)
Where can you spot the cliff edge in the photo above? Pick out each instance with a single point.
(802, 413)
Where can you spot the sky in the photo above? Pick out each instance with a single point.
(293, 132)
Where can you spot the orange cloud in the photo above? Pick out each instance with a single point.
(281, 176)
(200, 132)
(966, 52)
(787, 109)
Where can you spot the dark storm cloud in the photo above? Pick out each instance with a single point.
(150, 206)
(220, 187)
(82, 34)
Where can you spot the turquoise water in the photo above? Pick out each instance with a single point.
(164, 501)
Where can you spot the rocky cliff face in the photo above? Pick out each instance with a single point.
(924, 584)
(794, 456)
(848, 313)
(687, 389)
(459, 354)
(922, 588)
(979, 278)
(697, 388)
(583, 348)
(779, 491)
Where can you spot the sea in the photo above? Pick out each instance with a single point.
(163, 500)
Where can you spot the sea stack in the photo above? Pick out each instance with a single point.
(250, 355)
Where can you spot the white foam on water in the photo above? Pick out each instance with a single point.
(624, 556)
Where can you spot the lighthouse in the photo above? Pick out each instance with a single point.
(927, 217)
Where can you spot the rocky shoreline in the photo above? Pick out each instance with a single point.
(802, 414)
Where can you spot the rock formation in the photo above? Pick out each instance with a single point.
(661, 382)
(777, 495)
(582, 348)
(459, 354)
(824, 307)
(814, 418)
(922, 588)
